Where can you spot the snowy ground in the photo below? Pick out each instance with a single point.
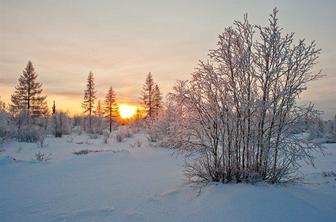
(130, 183)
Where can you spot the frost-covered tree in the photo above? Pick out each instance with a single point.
(99, 110)
(60, 124)
(323, 131)
(4, 122)
(317, 129)
(151, 97)
(28, 94)
(99, 114)
(331, 130)
(110, 106)
(239, 108)
(29, 107)
(89, 98)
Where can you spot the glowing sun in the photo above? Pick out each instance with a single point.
(127, 111)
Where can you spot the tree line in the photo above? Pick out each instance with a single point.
(29, 115)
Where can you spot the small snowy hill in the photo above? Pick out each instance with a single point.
(125, 182)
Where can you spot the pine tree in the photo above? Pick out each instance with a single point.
(138, 114)
(157, 100)
(28, 95)
(99, 114)
(89, 98)
(147, 94)
(99, 110)
(110, 106)
(151, 97)
(55, 120)
(54, 108)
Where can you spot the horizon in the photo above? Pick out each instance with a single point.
(122, 43)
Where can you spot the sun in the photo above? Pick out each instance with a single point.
(127, 111)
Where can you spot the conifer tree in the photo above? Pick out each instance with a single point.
(54, 108)
(99, 110)
(98, 118)
(89, 98)
(151, 97)
(28, 95)
(157, 100)
(110, 106)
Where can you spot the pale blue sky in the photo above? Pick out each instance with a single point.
(121, 41)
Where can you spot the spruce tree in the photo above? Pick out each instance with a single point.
(110, 106)
(89, 98)
(54, 108)
(28, 95)
(151, 97)
(157, 101)
(147, 94)
(99, 110)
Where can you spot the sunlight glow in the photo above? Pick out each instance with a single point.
(127, 111)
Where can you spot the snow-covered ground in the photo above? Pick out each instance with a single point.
(131, 183)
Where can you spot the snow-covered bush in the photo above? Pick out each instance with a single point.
(77, 130)
(60, 124)
(119, 137)
(29, 133)
(40, 156)
(238, 112)
(78, 124)
(70, 138)
(136, 144)
(93, 136)
(323, 131)
(159, 130)
(316, 129)
(106, 136)
(123, 133)
(41, 140)
(331, 130)
(128, 133)
(98, 125)
(4, 122)
(136, 126)
(26, 128)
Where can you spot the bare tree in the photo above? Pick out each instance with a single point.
(89, 98)
(239, 108)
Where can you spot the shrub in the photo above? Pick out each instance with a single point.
(81, 152)
(93, 136)
(106, 136)
(29, 133)
(122, 134)
(137, 144)
(40, 156)
(119, 137)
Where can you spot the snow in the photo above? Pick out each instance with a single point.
(129, 183)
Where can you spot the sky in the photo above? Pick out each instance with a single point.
(121, 41)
